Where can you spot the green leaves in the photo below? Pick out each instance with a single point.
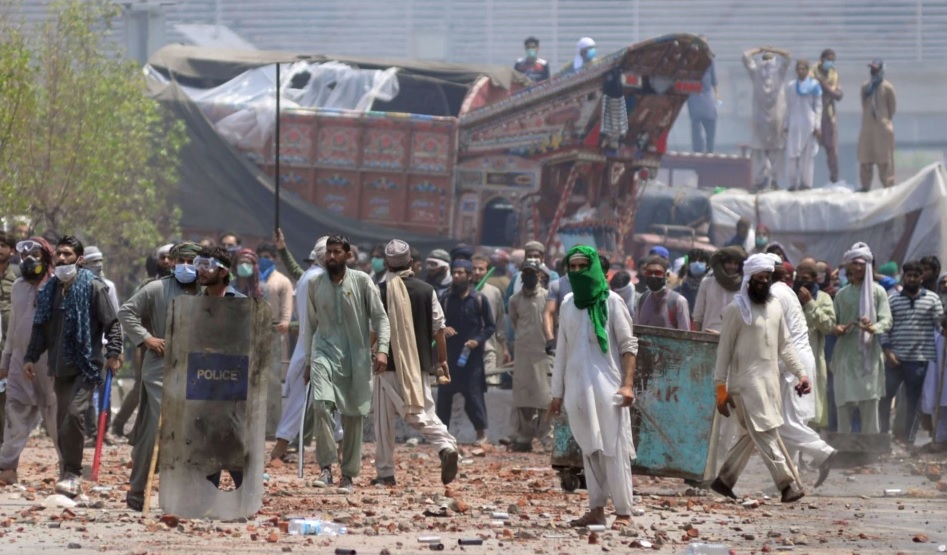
(82, 149)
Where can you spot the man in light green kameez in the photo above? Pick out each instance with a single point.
(344, 309)
(861, 313)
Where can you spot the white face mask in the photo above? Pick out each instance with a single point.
(66, 272)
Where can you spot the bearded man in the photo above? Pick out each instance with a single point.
(754, 337)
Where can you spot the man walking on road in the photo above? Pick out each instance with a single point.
(28, 400)
(344, 309)
(144, 319)
(531, 393)
(595, 333)
(403, 388)
(470, 324)
(798, 410)
(73, 313)
(753, 339)
(297, 377)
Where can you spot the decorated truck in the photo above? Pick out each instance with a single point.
(473, 153)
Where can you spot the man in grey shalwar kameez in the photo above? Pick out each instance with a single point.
(148, 310)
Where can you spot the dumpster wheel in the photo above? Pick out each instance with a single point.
(571, 480)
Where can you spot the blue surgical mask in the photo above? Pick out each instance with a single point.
(827, 64)
(697, 269)
(531, 52)
(185, 273)
(590, 53)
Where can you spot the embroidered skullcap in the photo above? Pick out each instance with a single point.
(397, 253)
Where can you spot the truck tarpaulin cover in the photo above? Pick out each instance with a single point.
(901, 223)
(220, 189)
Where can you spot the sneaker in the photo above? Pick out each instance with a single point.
(69, 485)
(325, 478)
(448, 465)
(8, 477)
(382, 481)
(346, 485)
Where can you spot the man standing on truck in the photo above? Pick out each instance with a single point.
(828, 78)
(767, 143)
(532, 66)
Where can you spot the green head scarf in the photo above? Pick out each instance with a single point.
(590, 291)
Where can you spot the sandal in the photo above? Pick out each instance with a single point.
(135, 501)
(622, 521)
(586, 520)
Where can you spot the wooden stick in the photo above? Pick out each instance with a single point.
(146, 506)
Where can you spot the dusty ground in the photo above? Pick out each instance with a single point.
(849, 514)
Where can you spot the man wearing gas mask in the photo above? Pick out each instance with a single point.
(28, 401)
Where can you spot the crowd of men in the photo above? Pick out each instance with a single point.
(791, 118)
(801, 349)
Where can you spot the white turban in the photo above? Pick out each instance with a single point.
(584, 42)
(858, 250)
(866, 301)
(318, 254)
(756, 264)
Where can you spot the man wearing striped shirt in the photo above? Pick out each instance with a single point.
(908, 347)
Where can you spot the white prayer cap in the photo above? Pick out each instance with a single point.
(397, 253)
(163, 249)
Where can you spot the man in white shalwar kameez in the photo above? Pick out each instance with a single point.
(797, 410)
(803, 127)
(595, 363)
(754, 338)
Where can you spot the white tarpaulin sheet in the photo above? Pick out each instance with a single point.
(901, 223)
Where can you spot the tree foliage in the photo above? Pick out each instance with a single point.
(84, 150)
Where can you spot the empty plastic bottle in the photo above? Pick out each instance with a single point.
(314, 527)
(708, 549)
(464, 355)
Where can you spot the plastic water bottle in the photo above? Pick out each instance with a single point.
(314, 527)
(708, 549)
(464, 355)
